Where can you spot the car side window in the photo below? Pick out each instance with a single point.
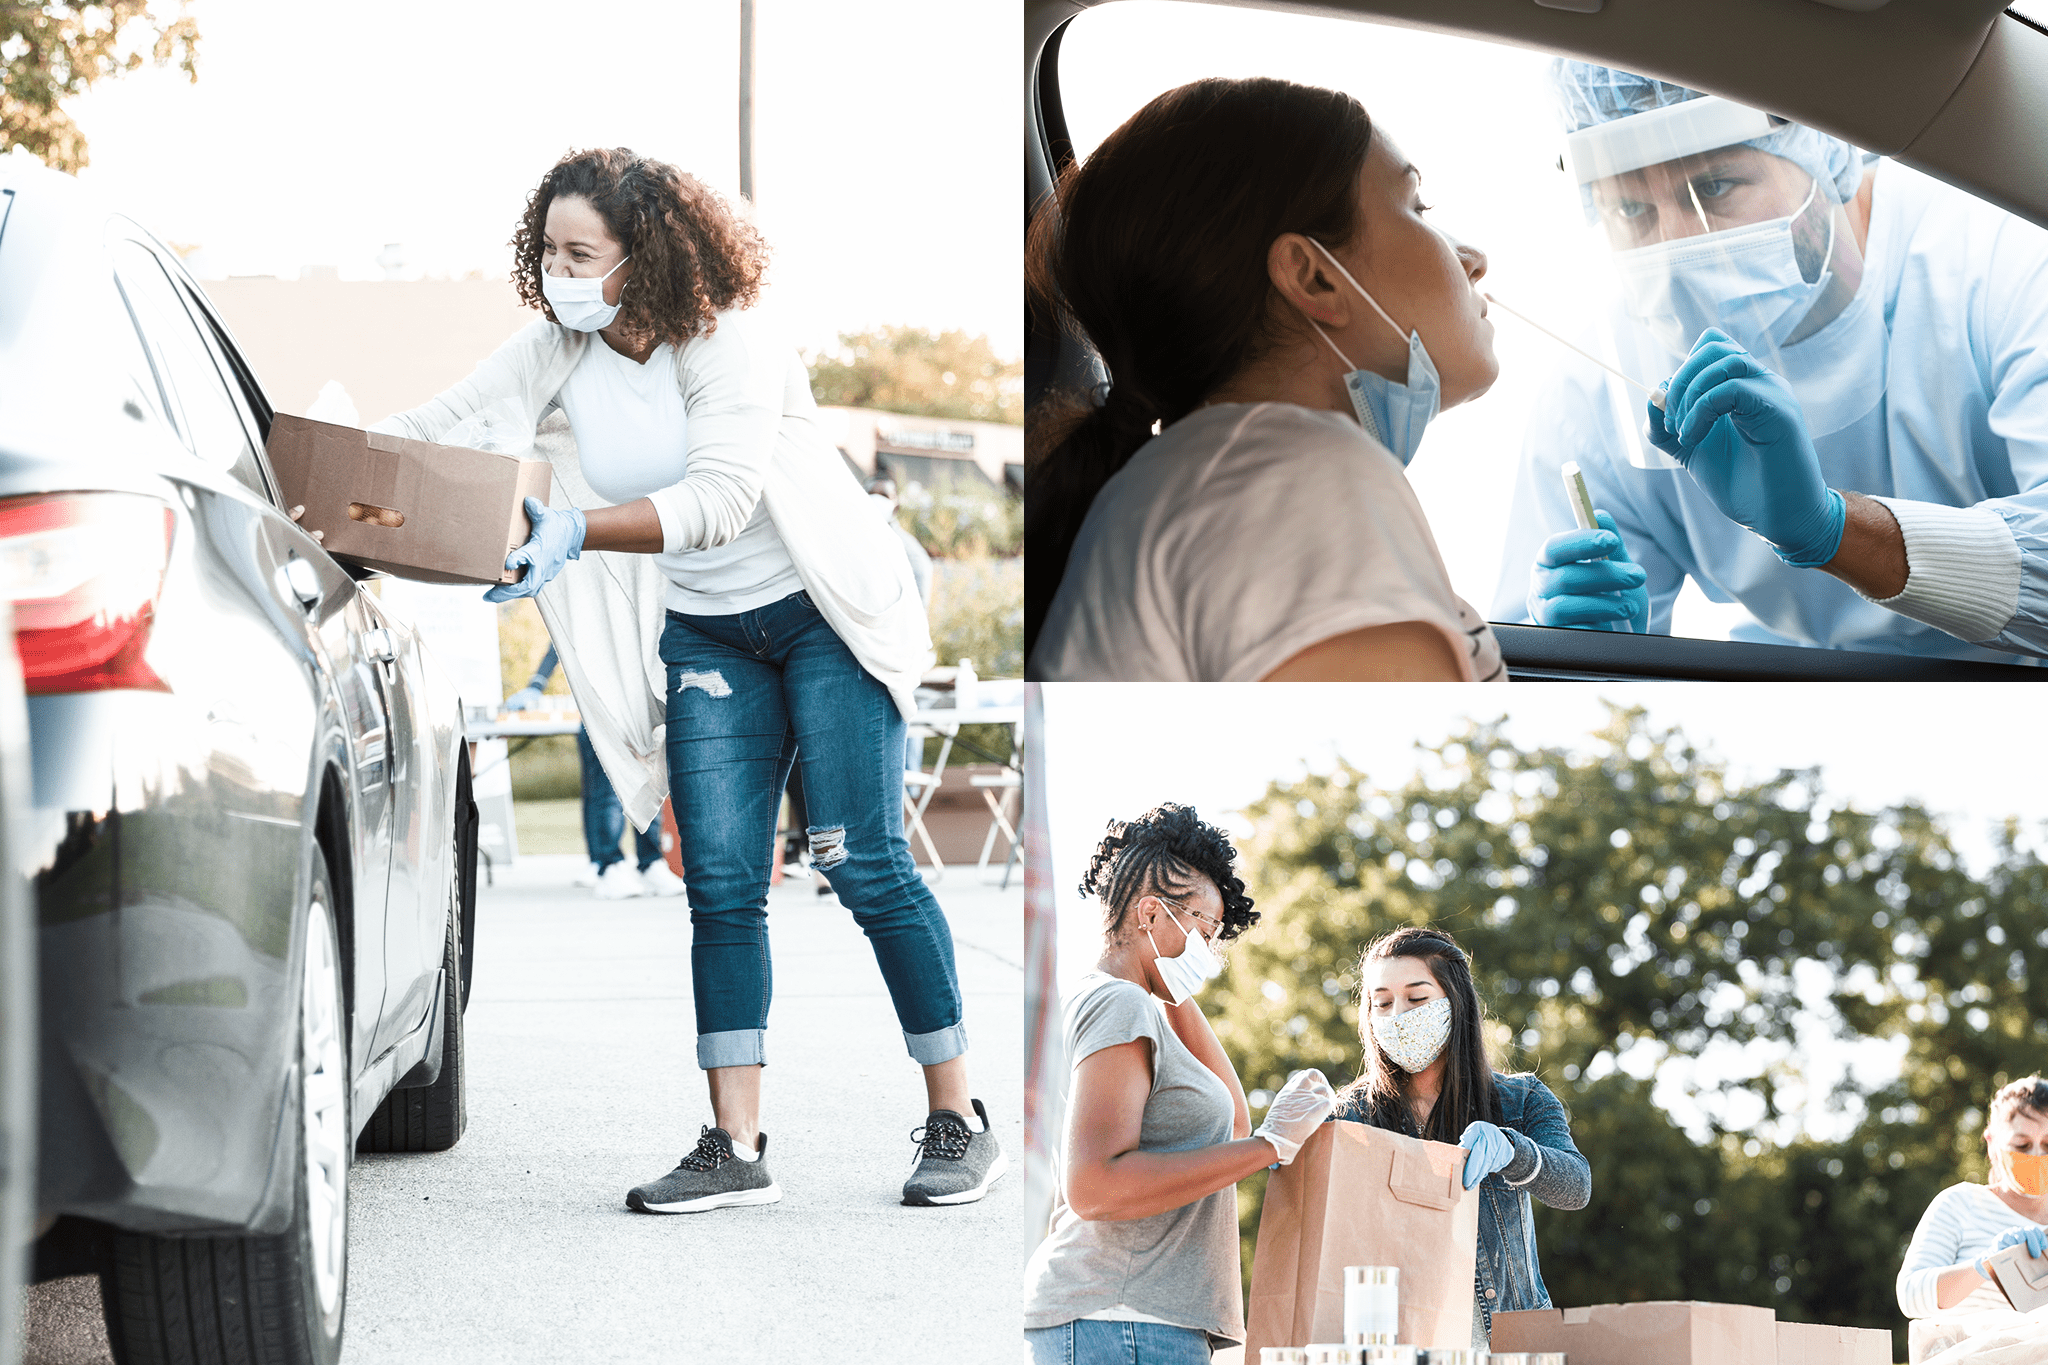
(203, 409)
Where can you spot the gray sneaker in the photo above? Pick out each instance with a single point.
(954, 1166)
(710, 1177)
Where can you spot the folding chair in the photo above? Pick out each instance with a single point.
(920, 786)
(1010, 784)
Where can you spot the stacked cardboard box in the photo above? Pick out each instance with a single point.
(1686, 1334)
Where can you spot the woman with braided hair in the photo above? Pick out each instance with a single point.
(1426, 1074)
(781, 626)
(1141, 1262)
(1250, 261)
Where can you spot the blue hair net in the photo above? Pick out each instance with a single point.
(1588, 94)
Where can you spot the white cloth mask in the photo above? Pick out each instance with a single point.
(1744, 280)
(1392, 414)
(1414, 1038)
(1188, 972)
(578, 301)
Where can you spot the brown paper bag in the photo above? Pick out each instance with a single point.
(1364, 1196)
(2023, 1279)
(1654, 1333)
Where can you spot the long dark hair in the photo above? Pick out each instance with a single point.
(1153, 252)
(1160, 854)
(694, 255)
(1468, 1092)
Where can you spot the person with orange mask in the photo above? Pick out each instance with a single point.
(1944, 1267)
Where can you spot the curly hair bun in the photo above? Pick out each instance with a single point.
(1165, 849)
(694, 257)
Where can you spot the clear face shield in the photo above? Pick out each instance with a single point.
(1705, 231)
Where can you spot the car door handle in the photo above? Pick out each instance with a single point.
(300, 582)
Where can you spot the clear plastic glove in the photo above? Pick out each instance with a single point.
(1296, 1112)
(1740, 433)
(525, 699)
(1487, 1149)
(1586, 579)
(557, 538)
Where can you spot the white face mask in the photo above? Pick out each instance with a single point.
(1414, 1038)
(1187, 973)
(579, 302)
(1744, 280)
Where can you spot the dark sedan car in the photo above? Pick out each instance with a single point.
(251, 841)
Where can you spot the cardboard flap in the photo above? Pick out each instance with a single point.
(1414, 1179)
(2032, 1270)
(377, 440)
(1577, 1315)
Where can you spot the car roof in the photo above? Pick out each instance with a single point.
(1955, 88)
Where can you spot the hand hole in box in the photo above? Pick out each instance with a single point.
(376, 516)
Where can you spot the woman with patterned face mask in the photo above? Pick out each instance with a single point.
(1944, 1270)
(1142, 1259)
(1426, 1074)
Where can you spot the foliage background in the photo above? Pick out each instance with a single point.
(51, 52)
(1635, 905)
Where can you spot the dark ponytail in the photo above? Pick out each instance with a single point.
(1153, 253)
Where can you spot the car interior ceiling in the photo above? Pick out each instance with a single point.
(1957, 89)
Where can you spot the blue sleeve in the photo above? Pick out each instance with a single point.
(1547, 1164)
(2015, 340)
(546, 669)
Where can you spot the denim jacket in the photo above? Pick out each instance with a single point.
(1546, 1165)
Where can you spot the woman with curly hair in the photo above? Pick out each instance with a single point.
(1426, 1074)
(1141, 1261)
(783, 625)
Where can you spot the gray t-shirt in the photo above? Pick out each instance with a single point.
(1180, 1266)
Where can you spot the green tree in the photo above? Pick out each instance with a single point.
(1637, 896)
(51, 52)
(930, 374)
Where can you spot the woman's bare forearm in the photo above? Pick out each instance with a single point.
(1139, 1183)
(634, 527)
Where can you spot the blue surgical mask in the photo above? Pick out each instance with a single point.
(1392, 414)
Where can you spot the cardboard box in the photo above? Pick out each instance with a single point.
(439, 514)
(1812, 1343)
(1645, 1333)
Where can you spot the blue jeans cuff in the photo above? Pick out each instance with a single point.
(740, 1047)
(929, 1049)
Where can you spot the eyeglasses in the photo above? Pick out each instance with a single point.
(1215, 926)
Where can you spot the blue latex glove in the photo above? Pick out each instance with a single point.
(1740, 433)
(1585, 578)
(2035, 1238)
(557, 538)
(525, 699)
(1489, 1151)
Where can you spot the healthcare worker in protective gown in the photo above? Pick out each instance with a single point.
(1854, 444)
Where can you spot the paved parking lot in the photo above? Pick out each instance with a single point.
(517, 1245)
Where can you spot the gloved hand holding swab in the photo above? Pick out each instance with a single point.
(1656, 395)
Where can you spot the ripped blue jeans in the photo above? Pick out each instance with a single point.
(747, 694)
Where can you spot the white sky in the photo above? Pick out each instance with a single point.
(885, 153)
(1478, 120)
(1114, 750)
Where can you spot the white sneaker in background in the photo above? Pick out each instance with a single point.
(619, 882)
(586, 876)
(659, 881)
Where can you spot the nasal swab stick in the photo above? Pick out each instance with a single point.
(1581, 500)
(1656, 395)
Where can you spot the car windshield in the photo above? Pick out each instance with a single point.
(1622, 246)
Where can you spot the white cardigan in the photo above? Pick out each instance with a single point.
(605, 610)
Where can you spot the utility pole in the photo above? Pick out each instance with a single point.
(747, 100)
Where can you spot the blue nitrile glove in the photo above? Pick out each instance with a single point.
(1489, 1150)
(1740, 433)
(557, 538)
(525, 699)
(1585, 578)
(2035, 1238)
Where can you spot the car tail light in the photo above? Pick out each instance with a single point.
(84, 571)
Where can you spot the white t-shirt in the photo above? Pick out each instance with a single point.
(632, 438)
(1240, 536)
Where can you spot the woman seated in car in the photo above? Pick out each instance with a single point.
(1252, 262)
(1944, 1275)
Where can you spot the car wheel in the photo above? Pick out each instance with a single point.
(430, 1118)
(259, 1300)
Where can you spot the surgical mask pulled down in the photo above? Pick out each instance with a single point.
(1393, 414)
(1189, 970)
(578, 302)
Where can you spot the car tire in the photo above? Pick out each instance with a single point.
(431, 1118)
(259, 1300)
